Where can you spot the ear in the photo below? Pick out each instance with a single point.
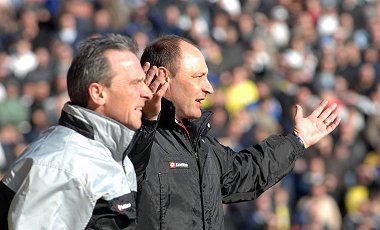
(166, 72)
(97, 94)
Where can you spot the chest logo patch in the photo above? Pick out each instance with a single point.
(122, 207)
(176, 165)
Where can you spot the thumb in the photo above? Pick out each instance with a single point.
(298, 112)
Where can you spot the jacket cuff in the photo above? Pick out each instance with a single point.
(150, 123)
(297, 144)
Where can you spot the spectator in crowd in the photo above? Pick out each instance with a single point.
(318, 207)
(77, 175)
(11, 142)
(12, 109)
(241, 92)
(23, 59)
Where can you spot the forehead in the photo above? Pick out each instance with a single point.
(121, 57)
(192, 59)
(124, 61)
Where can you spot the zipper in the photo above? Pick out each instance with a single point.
(130, 146)
(196, 155)
(192, 143)
(200, 188)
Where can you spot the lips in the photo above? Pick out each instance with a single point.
(139, 107)
(199, 102)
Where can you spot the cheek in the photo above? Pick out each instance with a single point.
(182, 93)
(124, 100)
(132, 94)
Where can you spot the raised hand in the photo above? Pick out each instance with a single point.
(322, 121)
(155, 80)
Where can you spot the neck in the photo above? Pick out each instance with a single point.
(177, 119)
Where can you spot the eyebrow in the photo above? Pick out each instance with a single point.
(140, 78)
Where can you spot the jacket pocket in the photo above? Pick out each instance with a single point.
(178, 189)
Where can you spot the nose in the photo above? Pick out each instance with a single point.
(146, 92)
(207, 87)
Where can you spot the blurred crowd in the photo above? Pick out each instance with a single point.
(264, 56)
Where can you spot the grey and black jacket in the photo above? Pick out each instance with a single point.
(188, 179)
(75, 176)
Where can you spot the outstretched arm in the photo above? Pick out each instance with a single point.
(250, 172)
(322, 121)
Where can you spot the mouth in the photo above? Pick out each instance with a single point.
(199, 101)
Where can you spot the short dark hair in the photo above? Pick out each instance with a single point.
(164, 51)
(90, 65)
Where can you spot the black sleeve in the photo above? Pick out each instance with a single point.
(6, 196)
(139, 153)
(247, 174)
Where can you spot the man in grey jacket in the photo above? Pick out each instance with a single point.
(77, 174)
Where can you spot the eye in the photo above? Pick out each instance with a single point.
(137, 81)
(201, 76)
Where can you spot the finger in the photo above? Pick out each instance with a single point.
(162, 89)
(146, 67)
(159, 93)
(327, 112)
(155, 84)
(333, 125)
(150, 76)
(320, 108)
(333, 115)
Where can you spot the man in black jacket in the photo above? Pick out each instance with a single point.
(190, 174)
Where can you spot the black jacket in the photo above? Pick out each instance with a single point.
(188, 179)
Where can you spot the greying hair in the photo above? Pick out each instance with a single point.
(90, 65)
(165, 51)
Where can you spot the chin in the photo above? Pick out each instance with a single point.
(190, 114)
(135, 126)
(196, 115)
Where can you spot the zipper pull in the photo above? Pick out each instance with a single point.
(196, 155)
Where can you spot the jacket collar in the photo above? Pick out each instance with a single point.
(114, 135)
(194, 126)
(167, 112)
